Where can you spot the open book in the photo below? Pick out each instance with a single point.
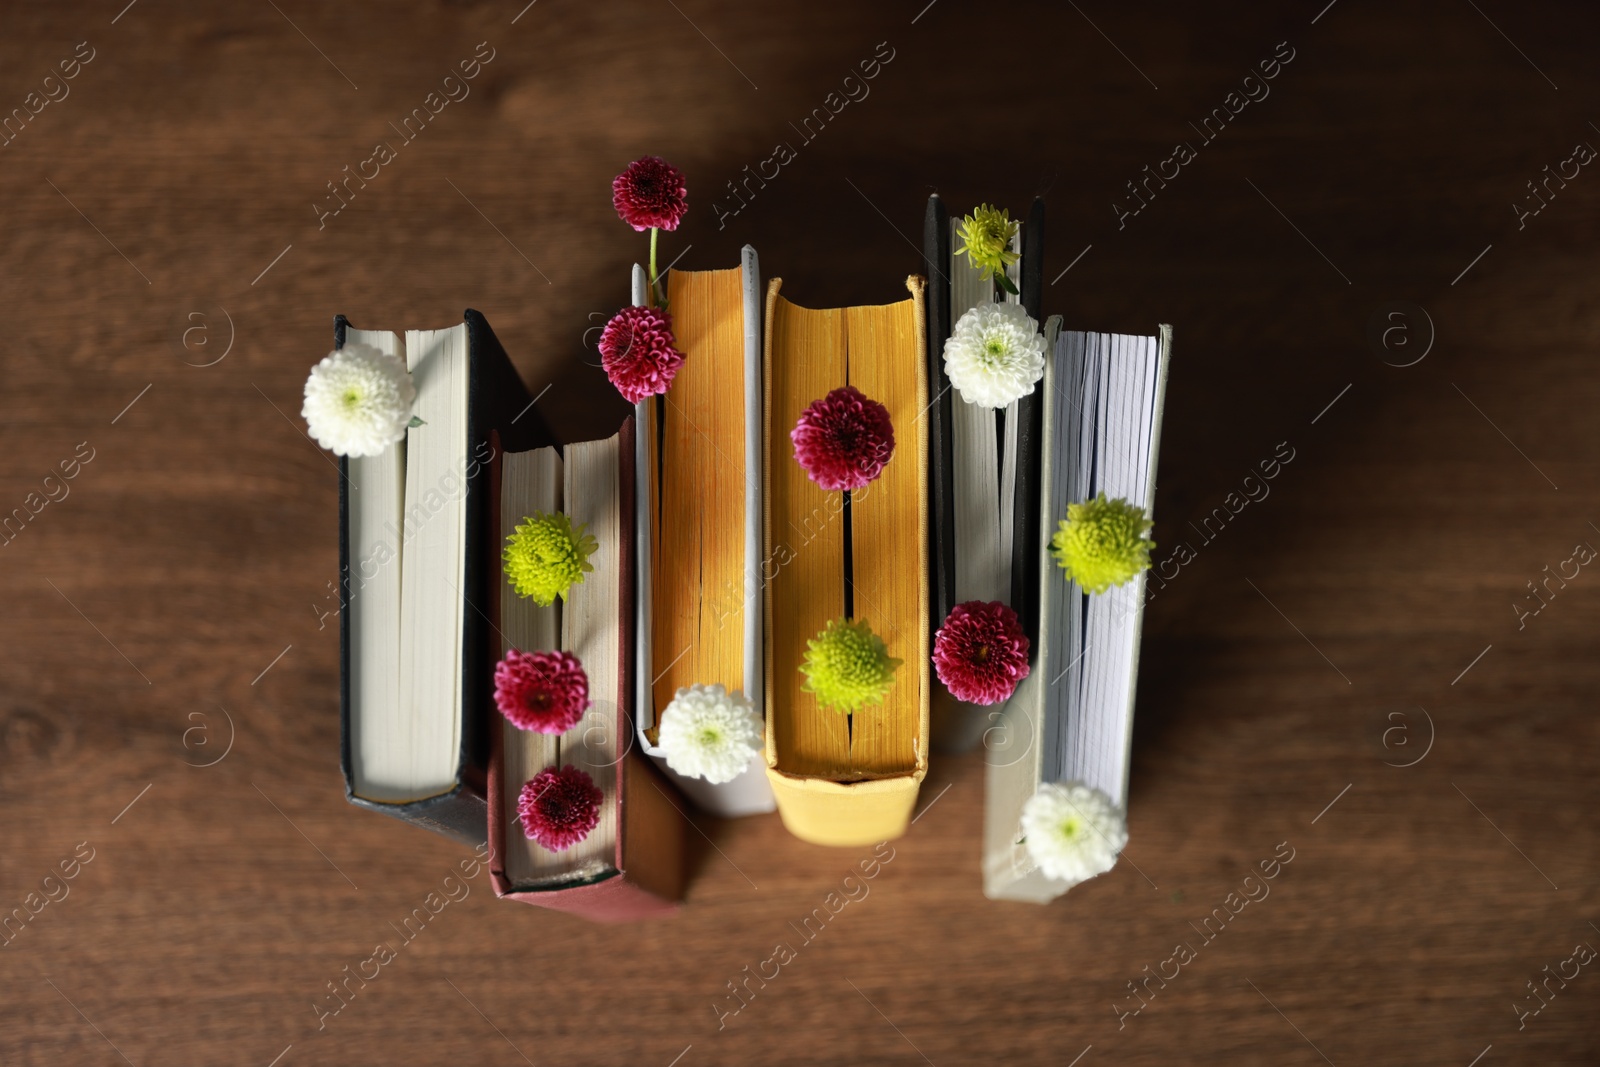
(1071, 719)
(699, 516)
(411, 740)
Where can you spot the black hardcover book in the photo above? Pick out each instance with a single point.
(1027, 554)
(498, 400)
(941, 540)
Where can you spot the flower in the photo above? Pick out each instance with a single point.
(1102, 543)
(639, 353)
(650, 193)
(847, 666)
(546, 692)
(994, 355)
(843, 440)
(708, 733)
(987, 233)
(547, 556)
(358, 401)
(1073, 832)
(981, 653)
(558, 808)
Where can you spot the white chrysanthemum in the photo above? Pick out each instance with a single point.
(358, 401)
(708, 733)
(1073, 832)
(994, 355)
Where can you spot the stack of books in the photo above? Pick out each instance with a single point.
(718, 562)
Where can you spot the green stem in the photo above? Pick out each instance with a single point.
(653, 297)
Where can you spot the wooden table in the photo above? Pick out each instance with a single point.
(167, 284)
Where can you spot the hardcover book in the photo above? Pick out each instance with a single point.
(1071, 719)
(984, 518)
(846, 779)
(630, 866)
(699, 517)
(412, 742)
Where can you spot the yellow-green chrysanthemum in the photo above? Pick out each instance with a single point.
(847, 666)
(1102, 543)
(988, 232)
(546, 557)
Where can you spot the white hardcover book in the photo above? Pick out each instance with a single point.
(1071, 719)
(749, 793)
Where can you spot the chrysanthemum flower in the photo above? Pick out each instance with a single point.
(1102, 543)
(847, 666)
(987, 234)
(981, 653)
(650, 193)
(843, 440)
(1072, 832)
(709, 733)
(547, 556)
(546, 692)
(994, 355)
(558, 808)
(358, 401)
(639, 353)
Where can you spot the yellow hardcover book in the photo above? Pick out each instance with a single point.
(846, 779)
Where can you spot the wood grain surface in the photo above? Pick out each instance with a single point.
(162, 214)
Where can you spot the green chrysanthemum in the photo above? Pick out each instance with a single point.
(1102, 543)
(988, 232)
(847, 666)
(546, 557)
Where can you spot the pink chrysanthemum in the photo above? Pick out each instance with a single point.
(639, 353)
(546, 692)
(843, 440)
(558, 808)
(981, 653)
(650, 193)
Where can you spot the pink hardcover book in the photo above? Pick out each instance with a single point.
(631, 865)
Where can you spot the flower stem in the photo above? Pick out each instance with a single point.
(654, 295)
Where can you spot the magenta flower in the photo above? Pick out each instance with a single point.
(558, 808)
(981, 653)
(843, 440)
(639, 353)
(546, 692)
(650, 194)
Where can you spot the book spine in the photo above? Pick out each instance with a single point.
(941, 524)
(1027, 551)
(750, 305)
(643, 536)
(346, 763)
